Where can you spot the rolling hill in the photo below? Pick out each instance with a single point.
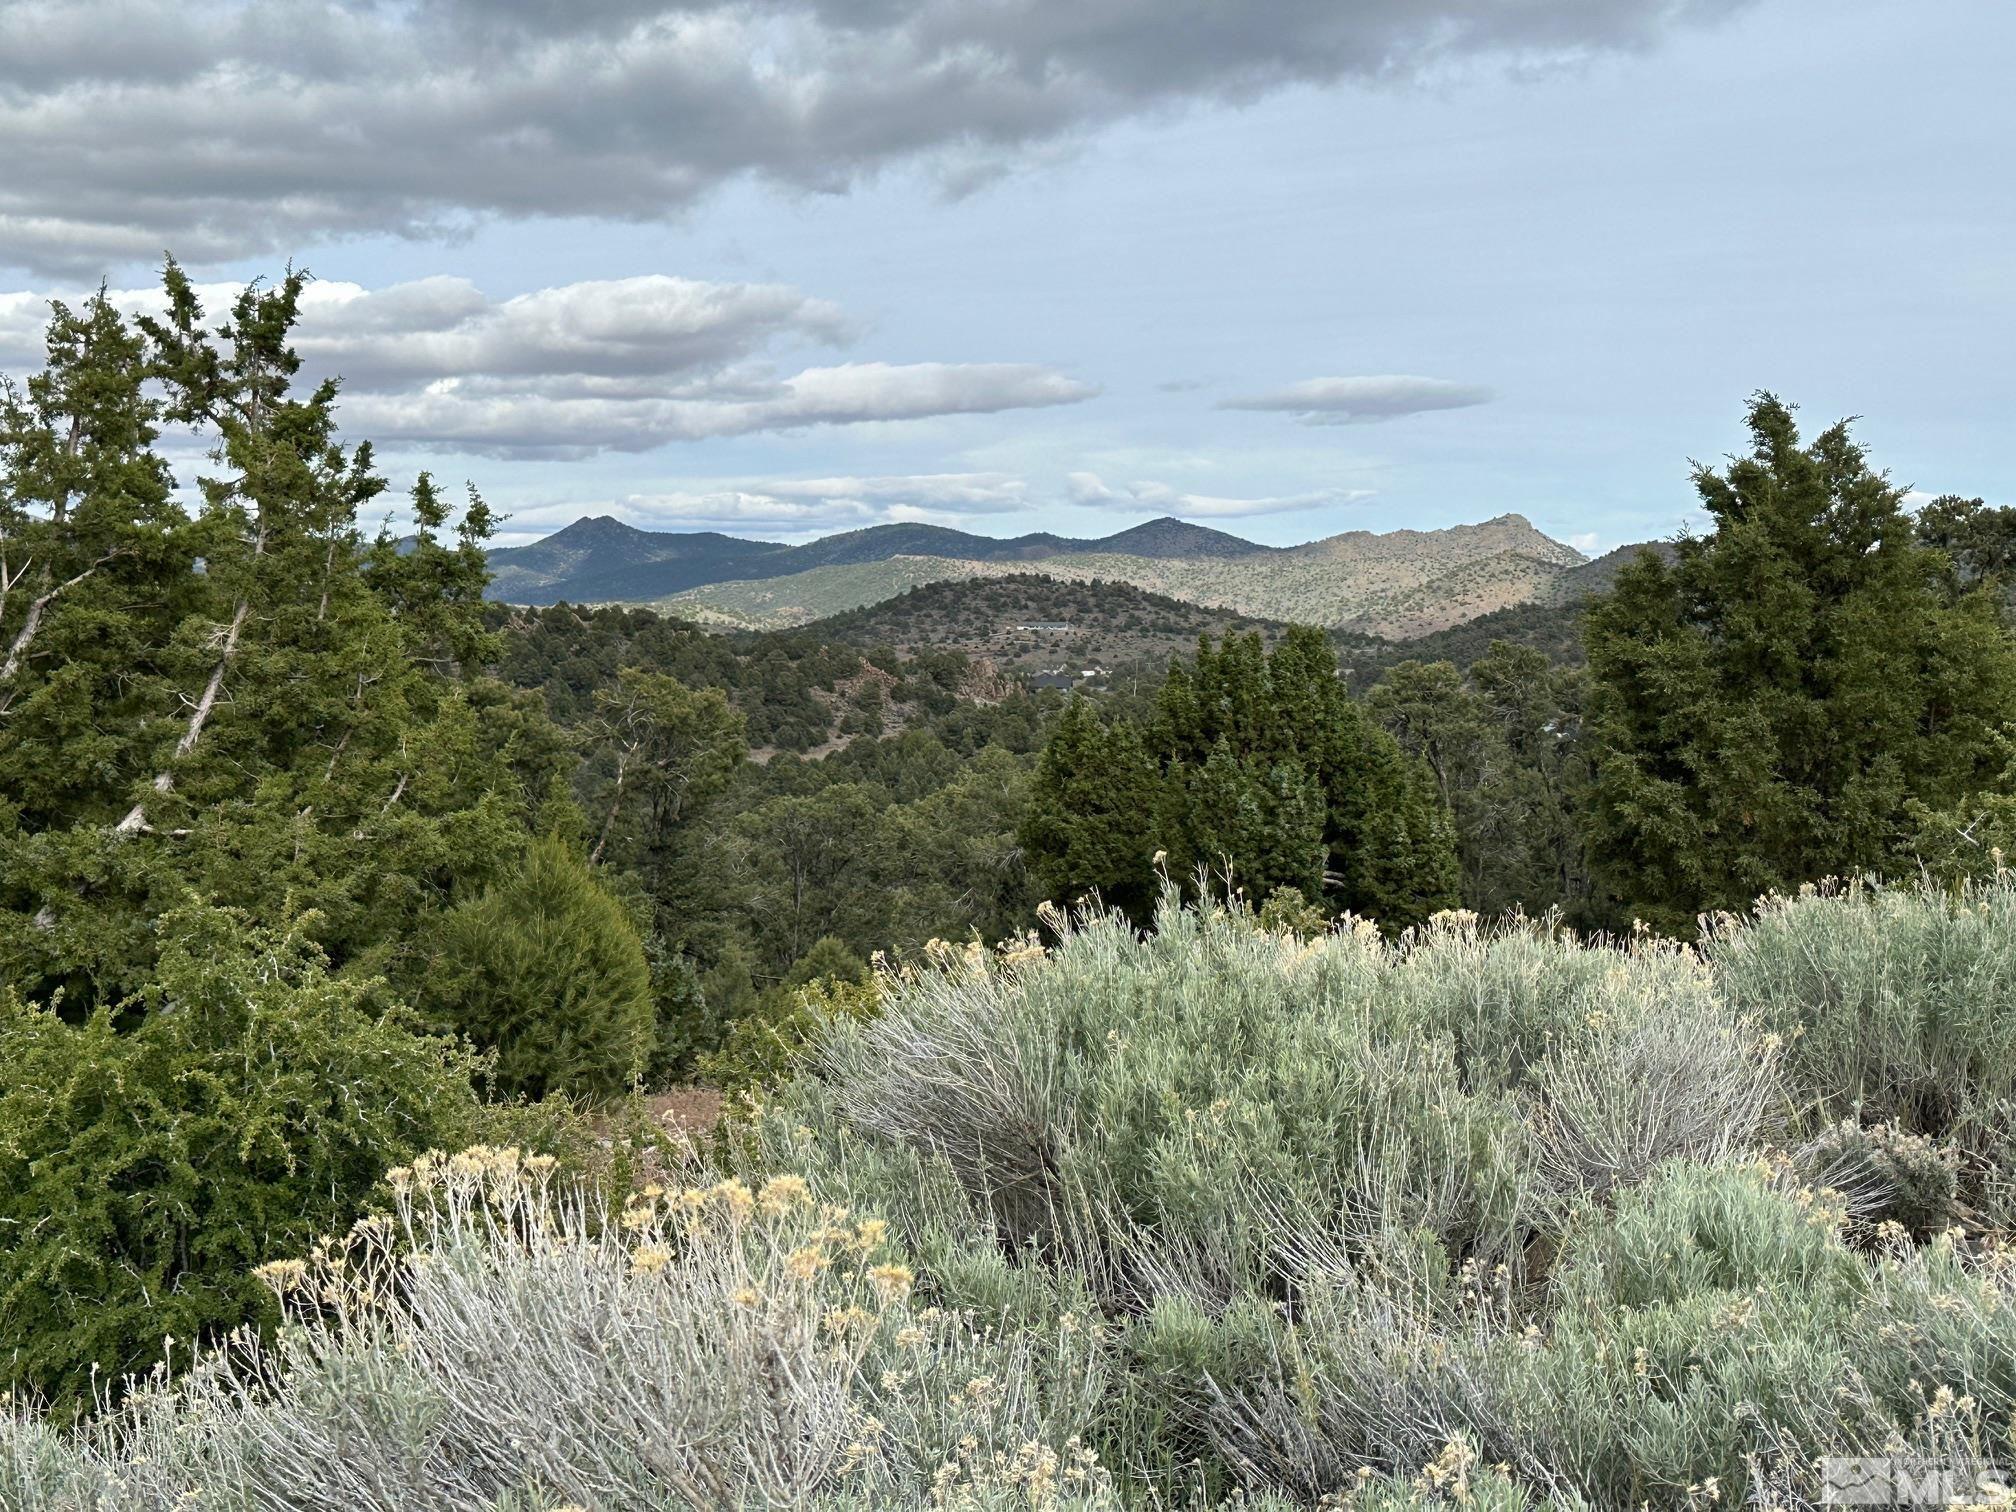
(1044, 626)
(602, 560)
(1398, 584)
(1548, 623)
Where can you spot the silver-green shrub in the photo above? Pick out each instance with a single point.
(1483, 1217)
(496, 1343)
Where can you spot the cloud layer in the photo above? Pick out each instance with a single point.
(1160, 498)
(1363, 401)
(226, 130)
(622, 365)
(818, 505)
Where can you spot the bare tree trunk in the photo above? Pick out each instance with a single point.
(10, 581)
(76, 445)
(328, 572)
(164, 781)
(615, 803)
(33, 623)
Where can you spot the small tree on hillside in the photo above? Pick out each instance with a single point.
(1090, 827)
(547, 969)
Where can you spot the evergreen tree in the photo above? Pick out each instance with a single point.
(249, 703)
(1779, 704)
(546, 969)
(1089, 828)
(145, 1170)
(1254, 763)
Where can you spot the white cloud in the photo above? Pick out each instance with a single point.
(621, 365)
(629, 328)
(1358, 401)
(473, 415)
(1160, 498)
(818, 505)
(785, 507)
(944, 493)
(1585, 542)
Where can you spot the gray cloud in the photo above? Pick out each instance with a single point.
(621, 365)
(525, 420)
(1160, 498)
(1359, 401)
(221, 129)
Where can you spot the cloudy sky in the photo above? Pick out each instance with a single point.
(1290, 267)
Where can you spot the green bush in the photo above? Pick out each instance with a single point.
(828, 984)
(546, 969)
(1896, 1005)
(1884, 1175)
(145, 1171)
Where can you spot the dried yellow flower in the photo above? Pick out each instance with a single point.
(649, 1259)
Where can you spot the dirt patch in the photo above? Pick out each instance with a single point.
(686, 1110)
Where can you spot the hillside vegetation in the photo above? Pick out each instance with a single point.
(1488, 1219)
(784, 603)
(1010, 620)
(1394, 585)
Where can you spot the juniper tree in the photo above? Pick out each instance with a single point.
(1254, 764)
(545, 969)
(1779, 704)
(246, 702)
(1090, 827)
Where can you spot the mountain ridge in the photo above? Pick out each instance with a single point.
(600, 559)
(1393, 584)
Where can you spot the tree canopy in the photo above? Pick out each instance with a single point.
(1787, 699)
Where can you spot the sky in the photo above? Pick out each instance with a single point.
(1283, 267)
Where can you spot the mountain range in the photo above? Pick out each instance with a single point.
(1395, 584)
(599, 559)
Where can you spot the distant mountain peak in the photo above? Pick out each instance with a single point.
(1167, 536)
(589, 526)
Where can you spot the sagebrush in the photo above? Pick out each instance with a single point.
(1484, 1216)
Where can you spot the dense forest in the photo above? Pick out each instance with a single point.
(312, 862)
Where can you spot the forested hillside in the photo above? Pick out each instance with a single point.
(1036, 624)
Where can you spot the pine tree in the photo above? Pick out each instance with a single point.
(1777, 705)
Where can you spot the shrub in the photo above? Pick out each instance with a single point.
(1899, 1002)
(546, 969)
(145, 1170)
(1481, 1217)
(1884, 1175)
(767, 1044)
(1215, 1092)
(499, 1341)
